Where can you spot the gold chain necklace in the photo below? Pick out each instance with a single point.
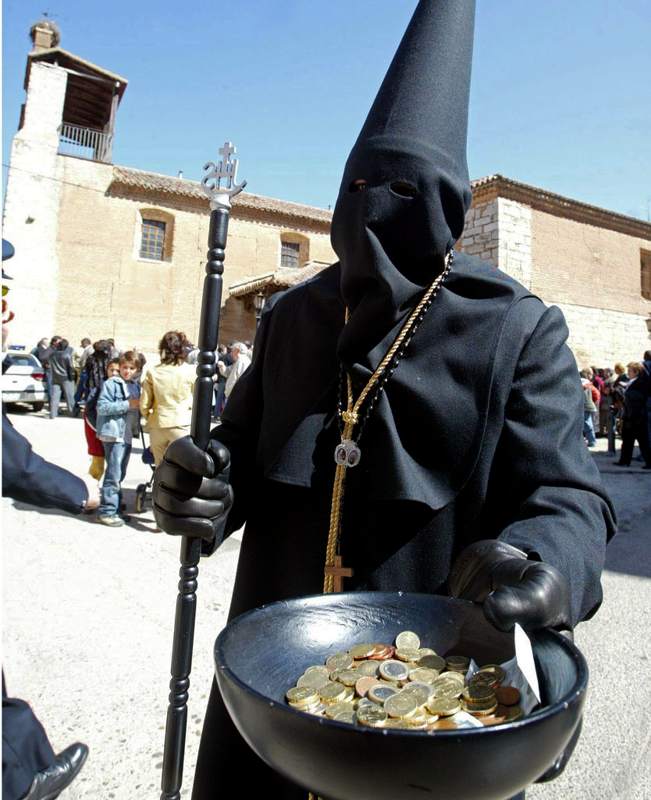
(347, 452)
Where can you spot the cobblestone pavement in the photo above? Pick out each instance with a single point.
(88, 616)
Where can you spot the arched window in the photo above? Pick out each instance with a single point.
(155, 237)
(294, 249)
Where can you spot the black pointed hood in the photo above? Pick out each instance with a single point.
(392, 233)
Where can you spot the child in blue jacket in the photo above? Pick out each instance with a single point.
(114, 431)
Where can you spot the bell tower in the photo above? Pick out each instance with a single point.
(69, 112)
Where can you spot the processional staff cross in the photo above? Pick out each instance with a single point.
(339, 572)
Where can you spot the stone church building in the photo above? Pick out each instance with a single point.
(109, 251)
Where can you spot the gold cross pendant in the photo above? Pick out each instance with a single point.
(339, 572)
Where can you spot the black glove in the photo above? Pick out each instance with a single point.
(191, 494)
(511, 587)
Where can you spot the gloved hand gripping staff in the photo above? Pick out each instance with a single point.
(220, 195)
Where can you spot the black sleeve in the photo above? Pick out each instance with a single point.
(29, 478)
(556, 507)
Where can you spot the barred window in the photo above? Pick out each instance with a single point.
(152, 242)
(289, 254)
(645, 273)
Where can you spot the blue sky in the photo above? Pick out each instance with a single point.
(561, 96)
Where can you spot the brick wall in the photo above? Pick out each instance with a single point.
(107, 290)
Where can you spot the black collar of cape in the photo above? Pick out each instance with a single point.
(424, 436)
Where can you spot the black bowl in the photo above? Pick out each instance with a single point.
(261, 654)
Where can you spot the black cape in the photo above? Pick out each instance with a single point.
(478, 435)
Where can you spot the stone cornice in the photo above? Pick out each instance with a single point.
(493, 186)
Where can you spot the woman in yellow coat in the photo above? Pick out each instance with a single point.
(166, 399)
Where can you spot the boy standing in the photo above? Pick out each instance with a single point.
(114, 432)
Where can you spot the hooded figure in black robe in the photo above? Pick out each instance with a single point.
(474, 479)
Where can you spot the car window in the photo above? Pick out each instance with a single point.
(23, 361)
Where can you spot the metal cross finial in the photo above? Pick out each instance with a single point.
(225, 170)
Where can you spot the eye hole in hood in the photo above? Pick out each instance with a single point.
(358, 185)
(404, 189)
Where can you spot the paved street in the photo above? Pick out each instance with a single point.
(88, 614)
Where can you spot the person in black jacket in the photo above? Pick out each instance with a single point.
(634, 418)
(463, 465)
(30, 768)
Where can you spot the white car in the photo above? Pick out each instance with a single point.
(24, 380)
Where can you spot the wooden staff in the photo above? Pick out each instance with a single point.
(186, 602)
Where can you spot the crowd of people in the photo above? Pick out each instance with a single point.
(120, 397)
(618, 402)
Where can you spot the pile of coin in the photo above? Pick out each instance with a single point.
(404, 686)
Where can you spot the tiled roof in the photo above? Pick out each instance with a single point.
(284, 278)
(491, 185)
(180, 187)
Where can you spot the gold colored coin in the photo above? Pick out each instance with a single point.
(339, 661)
(400, 705)
(421, 691)
(444, 706)
(407, 640)
(301, 694)
(362, 650)
(423, 675)
(346, 716)
(478, 693)
(368, 668)
(432, 662)
(332, 693)
(348, 677)
(479, 710)
(495, 669)
(406, 655)
(314, 680)
(425, 651)
(372, 716)
(319, 668)
(337, 708)
(457, 663)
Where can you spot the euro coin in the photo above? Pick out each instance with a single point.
(362, 651)
(339, 661)
(406, 655)
(495, 669)
(380, 693)
(348, 677)
(394, 670)
(301, 694)
(338, 708)
(479, 710)
(363, 684)
(425, 651)
(444, 706)
(345, 716)
(314, 680)
(372, 716)
(423, 675)
(457, 663)
(407, 640)
(419, 691)
(368, 668)
(317, 669)
(332, 692)
(478, 693)
(432, 662)
(400, 705)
